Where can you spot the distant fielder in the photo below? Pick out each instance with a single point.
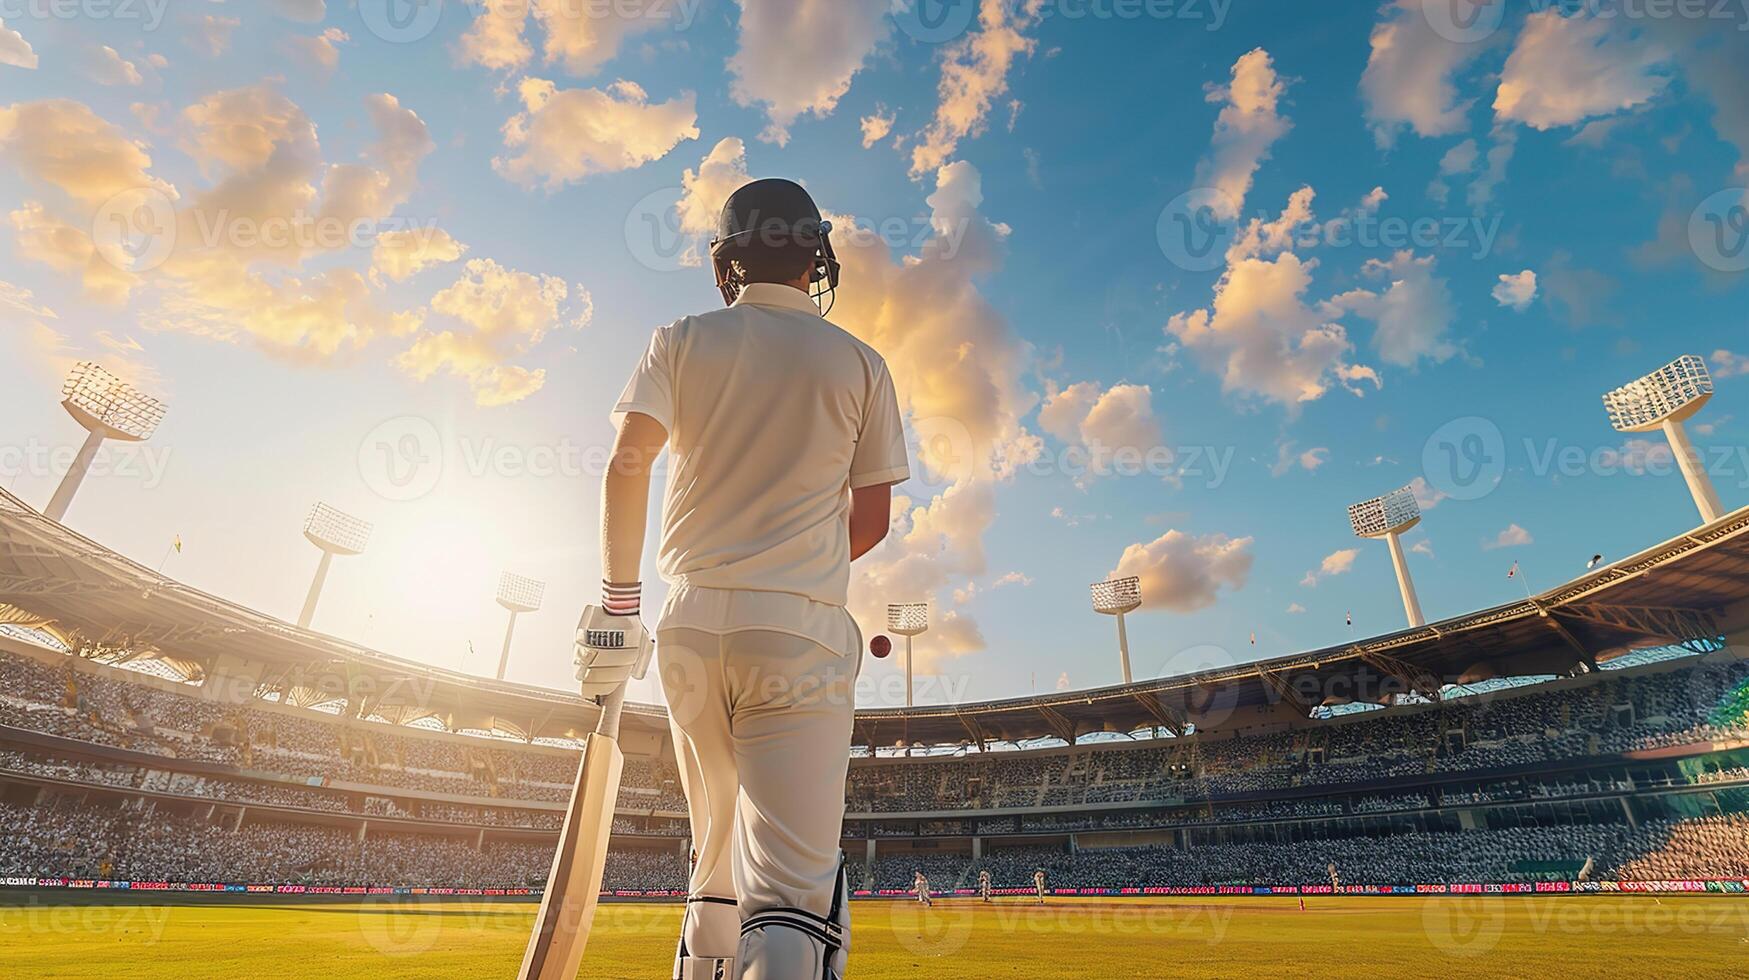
(1038, 883)
(984, 886)
(785, 442)
(920, 885)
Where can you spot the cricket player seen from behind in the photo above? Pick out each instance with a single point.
(785, 442)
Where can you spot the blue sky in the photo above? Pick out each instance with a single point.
(1422, 232)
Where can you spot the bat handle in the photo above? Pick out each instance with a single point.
(612, 706)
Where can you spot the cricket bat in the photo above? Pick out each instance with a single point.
(561, 932)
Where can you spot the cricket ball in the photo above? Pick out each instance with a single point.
(880, 646)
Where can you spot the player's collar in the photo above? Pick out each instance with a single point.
(776, 294)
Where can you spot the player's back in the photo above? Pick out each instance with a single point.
(769, 404)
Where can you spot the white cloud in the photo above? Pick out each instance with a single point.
(400, 255)
(565, 135)
(1565, 70)
(974, 74)
(1516, 292)
(877, 127)
(1295, 609)
(507, 313)
(1102, 423)
(704, 191)
(212, 34)
(1288, 456)
(105, 66)
(14, 49)
(797, 57)
(1427, 496)
(1184, 573)
(1729, 365)
(1414, 315)
(1410, 75)
(964, 410)
(321, 50)
(1335, 563)
(1422, 547)
(1513, 537)
(1249, 124)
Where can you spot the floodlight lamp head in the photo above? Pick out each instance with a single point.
(1674, 392)
(520, 594)
(908, 618)
(1118, 596)
(1393, 513)
(105, 404)
(335, 532)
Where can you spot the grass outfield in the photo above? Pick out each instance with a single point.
(959, 940)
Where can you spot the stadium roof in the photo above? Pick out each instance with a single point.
(1692, 590)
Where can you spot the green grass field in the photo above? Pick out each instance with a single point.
(1256, 937)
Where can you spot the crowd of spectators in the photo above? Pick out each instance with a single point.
(1703, 848)
(1195, 779)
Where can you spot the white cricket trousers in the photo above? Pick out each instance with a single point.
(762, 727)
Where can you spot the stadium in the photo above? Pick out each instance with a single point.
(162, 744)
(903, 447)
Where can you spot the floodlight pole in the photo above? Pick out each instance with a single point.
(1117, 598)
(106, 408)
(1406, 584)
(518, 595)
(1663, 401)
(75, 477)
(315, 594)
(1389, 517)
(1700, 485)
(333, 533)
(909, 620)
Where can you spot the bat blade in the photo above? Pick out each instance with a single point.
(555, 948)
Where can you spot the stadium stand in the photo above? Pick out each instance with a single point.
(194, 742)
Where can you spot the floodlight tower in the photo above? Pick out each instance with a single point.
(908, 619)
(520, 595)
(1115, 598)
(107, 408)
(334, 533)
(1389, 517)
(1665, 399)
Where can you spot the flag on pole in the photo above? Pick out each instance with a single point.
(1351, 617)
(1596, 560)
(1253, 639)
(177, 544)
(1513, 572)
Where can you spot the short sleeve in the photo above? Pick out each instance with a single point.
(880, 448)
(651, 388)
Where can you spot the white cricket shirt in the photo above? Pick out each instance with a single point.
(773, 415)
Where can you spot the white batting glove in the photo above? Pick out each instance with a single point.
(610, 651)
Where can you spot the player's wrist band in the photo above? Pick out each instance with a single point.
(622, 598)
